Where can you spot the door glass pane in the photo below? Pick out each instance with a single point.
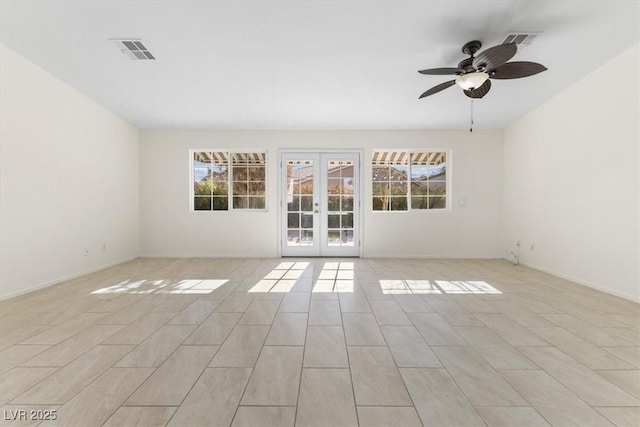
(334, 203)
(334, 237)
(347, 186)
(347, 203)
(300, 175)
(340, 188)
(293, 204)
(347, 220)
(306, 203)
(307, 220)
(293, 237)
(334, 186)
(293, 220)
(307, 237)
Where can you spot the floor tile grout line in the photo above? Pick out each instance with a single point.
(129, 396)
(158, 367)
(205, 368)
(80, 355)
(53, 326)
(98, 376)
(413, 405)
(346, 348)
(34, 385)
(186, 394)
(444, 367)
(304, 350)
(62, 367)
(255, 364)
(550, 374)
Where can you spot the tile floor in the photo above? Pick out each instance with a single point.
(320, 342)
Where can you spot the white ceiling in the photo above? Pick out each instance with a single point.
(310, 64)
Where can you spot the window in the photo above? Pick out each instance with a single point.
(428, 180)
(404, 180)
(210, 181)
(249, 180)
(229, 180)
(390, 181)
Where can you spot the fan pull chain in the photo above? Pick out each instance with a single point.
(471, 123)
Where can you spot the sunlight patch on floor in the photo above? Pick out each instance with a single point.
(467, 287)
(187, 286)
(335, 277)
(409, 287)
(282, 278)
(399, 286)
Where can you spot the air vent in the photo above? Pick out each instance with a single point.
(521, 38)
(134, 49)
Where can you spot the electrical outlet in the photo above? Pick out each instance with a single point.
(104, 247)
(531, 247)
(86, 252)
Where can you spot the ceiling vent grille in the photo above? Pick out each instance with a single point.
(134, 49)
(522, 39)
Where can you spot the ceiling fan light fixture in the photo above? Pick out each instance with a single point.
(473, 73)
(472, 80)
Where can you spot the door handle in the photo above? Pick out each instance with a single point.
(316, 211)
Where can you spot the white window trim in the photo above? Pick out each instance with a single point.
(229, 180)
(448, 199)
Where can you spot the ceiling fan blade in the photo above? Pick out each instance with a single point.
(438, 88)
(442, 71)
(516, 70)
(494, 56)
(480, 92)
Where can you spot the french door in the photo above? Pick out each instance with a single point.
(320, 204)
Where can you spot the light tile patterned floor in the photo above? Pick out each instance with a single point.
(320, 342)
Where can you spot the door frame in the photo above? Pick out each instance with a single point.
(358, 191)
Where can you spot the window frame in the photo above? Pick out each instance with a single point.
(448, 182)
(230, 181)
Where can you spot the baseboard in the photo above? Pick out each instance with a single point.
(207, 256)
(64, 279)
(422, 256)
(580, 282)
(275, 256)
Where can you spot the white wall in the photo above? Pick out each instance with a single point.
(571, 185)
(69, 180)
(169, 229)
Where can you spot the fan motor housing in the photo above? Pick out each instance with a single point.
(467, 65)
(471, 47)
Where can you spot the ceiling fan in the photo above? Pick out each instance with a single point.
(474, 72)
